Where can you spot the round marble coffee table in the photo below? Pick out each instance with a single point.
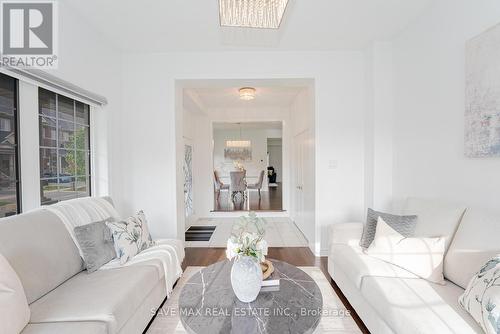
(207, 303)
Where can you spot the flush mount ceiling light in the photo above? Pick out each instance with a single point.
(252, 13)
(247, 93)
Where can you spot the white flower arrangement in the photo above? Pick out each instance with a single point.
(247, 238)
(238, 166)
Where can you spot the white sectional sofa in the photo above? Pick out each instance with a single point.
(64, 298)
(391, 300)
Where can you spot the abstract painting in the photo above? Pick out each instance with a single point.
(187, 168)
(238, 153)
(482, 96)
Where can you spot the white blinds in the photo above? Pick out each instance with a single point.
(52, 82)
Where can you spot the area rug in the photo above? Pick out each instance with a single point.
(336, 319)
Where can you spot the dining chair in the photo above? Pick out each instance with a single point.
(238, 184)
(218, 184)
(258, 185)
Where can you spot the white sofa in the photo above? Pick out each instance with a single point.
(391, 300)
(64, 298)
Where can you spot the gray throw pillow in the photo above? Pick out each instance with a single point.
(402, 224)
(96, 243)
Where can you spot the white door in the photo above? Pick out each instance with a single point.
(298, 168)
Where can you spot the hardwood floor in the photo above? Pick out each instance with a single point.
(297, 256)
(271, 200)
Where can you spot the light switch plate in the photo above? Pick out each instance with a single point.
(333, 164)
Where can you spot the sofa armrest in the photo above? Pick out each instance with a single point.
(345, 233)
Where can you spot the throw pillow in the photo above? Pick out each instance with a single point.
(420, 256)
(96, 242)
(403, 224)
(482, 296)
(131, 236)
(14, 309)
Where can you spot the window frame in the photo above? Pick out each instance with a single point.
(17, 153)
(17, 150)
(88, 151)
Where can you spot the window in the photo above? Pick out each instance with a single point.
(5, 124)
(64, 147)
(9, 171)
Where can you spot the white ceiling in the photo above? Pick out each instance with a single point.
(193, 25)
(228, 97)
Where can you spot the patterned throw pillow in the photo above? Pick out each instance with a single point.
(402, 224)
(131, 236)
(482, 297)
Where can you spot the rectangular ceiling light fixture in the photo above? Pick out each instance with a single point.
(238, 143)
(252, 13)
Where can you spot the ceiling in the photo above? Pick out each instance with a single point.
(248, 126)
(193, 25)
(228, 97)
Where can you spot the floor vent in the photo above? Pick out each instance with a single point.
(199, 233)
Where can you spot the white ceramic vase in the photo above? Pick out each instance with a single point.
(246, 278)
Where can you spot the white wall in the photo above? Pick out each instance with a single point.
(188, 131)
(149, 104)
(379, 130)
(203, 166)
(429, 107)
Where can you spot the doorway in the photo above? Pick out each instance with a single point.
(244, 179)
(286, 108)
(275, 161)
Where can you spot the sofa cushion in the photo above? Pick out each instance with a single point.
(14, 310)
(435, 218)
(166, 256)
(41, 251)
(417, 306)
(357, 265)
(475, 242)
(344, 233)
(109, 296)
(94, 327)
